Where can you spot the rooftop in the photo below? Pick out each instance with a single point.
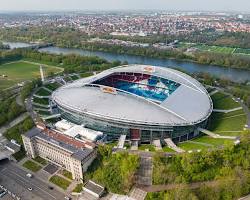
(188, 104)
(94, 187)
(74, 147)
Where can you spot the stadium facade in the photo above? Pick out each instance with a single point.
(143, 102)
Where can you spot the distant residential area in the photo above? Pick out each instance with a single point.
(146, 105)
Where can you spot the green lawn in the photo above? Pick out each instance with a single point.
(43, 92)
(242, 51)
(112, 144)
(78, 188)
(41, 101)
(143, 147)
(204, 142)
(6, 83)
(212, 141)
(167, 149)
(223, 101)
(40, 160)
(32, 166)
(20, 154)
(222, 123)
(67, 78)
(20, 71)
(43, 113)
(215, 49)
(86, 74)
(187, 146)
(59, 181)
(74, 77)
(52, 86)
(67, 174)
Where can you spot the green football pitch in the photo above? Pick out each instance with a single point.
(17, 72)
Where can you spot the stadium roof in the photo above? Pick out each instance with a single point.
(188, 104)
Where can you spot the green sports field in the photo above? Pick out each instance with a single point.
(20, 71)
(216, 49)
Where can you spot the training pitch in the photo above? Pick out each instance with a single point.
(19, 71)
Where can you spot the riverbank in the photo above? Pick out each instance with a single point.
(198, 57)
(234, 74)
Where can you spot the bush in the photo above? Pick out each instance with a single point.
(67, 174)
(40, 160)
(59, 181)
(32, 166)
(78, 188)
(16, 131)
(114, 171)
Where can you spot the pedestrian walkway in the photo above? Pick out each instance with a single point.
(172, 145)
(144, 174)
(227, 111)
(138, 194)
(47, 89)
(213, 92)
(72, 185)
(121, 142)
(214, 135)
(16, 121)
(134, 145)
(157, 144)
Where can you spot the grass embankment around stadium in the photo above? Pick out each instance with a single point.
(19, 71)
(224, 102)
(230, 124)
(204, 142)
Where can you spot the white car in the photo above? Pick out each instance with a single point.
(30, 189)
(29, 175)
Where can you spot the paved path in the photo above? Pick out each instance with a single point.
(144, 174)
(227, 111)
(19, 100)
(245, 198)
(213, 135)
(16, 121)
(138, 194)
(247, 111)
(245, 108)
(213, 92)
(157, 144)
(173, 146)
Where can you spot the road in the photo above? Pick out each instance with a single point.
(14, 179)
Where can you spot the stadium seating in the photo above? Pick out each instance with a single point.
(147, 86)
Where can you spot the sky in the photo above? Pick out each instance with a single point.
(190, 5)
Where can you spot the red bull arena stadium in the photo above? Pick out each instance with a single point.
(144, 103)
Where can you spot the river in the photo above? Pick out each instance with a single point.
(238, 75)
(15, 45)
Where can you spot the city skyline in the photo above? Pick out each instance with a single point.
(191, 5)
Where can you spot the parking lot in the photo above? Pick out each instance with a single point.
(14, 179)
